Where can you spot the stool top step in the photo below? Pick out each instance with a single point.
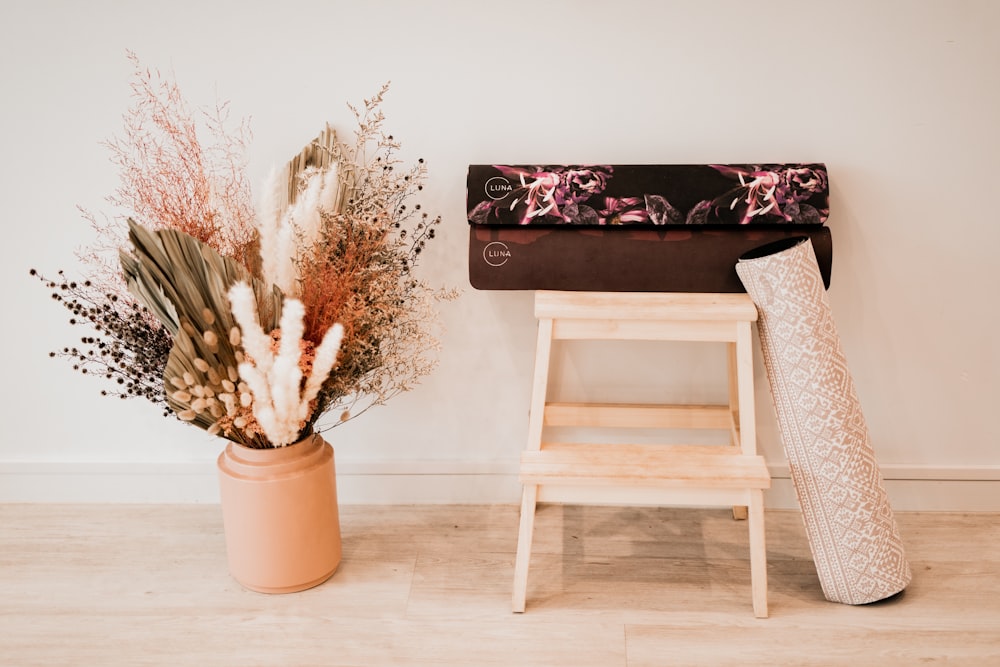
(645, 305)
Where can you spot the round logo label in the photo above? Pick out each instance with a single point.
(496, 253)
(498, 187)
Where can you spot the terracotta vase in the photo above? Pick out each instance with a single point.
(279, 509)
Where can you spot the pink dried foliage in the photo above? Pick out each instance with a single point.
(170, 179)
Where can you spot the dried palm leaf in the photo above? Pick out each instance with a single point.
(185, 281)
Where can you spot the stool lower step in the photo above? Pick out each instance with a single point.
(677, 466)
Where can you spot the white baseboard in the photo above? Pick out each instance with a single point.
(915, 488)
(910, 487)
(358, 483)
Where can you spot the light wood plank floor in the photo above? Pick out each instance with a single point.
(106, 585)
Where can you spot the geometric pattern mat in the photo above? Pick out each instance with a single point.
(850, 526)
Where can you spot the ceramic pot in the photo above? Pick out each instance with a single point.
(279, 509)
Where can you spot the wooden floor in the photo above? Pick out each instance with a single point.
(430, 585)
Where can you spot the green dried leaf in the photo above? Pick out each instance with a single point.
(185, 283)
(179, 278)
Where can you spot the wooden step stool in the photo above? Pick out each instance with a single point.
(625, 474)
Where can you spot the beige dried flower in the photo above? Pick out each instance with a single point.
(335, 230)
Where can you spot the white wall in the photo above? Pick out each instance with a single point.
(900, 99)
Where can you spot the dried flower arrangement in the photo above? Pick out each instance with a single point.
(253, 322)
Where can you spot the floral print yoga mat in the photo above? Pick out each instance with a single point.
(678, 194)
(850, 525)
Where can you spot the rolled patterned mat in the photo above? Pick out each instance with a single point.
(852, 533)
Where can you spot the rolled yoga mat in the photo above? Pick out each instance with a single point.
(850, 526)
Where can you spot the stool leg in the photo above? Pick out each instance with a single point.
(734, 393)
(528, 501)
(739, 511)
(758, 553)
(529, 496)
(746, 417)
